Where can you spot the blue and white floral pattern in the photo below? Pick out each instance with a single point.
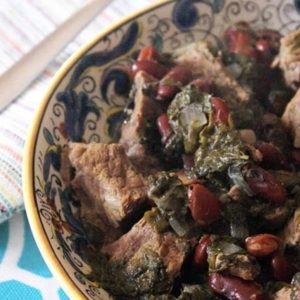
(87, 102)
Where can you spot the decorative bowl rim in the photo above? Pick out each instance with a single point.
(29, 149)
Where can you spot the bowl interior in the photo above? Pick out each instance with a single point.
(84, 104)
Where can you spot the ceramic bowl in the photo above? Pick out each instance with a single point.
(84, 103)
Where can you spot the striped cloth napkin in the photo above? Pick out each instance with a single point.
(24, 23)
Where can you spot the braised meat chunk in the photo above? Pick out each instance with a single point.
(291, 119)
(292, 229)
(289, 59)
(106, 184)
(148, 261)
(146, 109)
(200, 59)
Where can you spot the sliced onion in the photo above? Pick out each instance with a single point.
(230, 248)
(235, 174)
(238, 231)
(193, 114)
(184, 227)
(178, 226)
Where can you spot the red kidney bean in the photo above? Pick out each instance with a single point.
(264, 52)
(221, 110)
(282, 268)
(264, 184)
(241, 39)
(203, 84)
(273, 158)
(168, 88)
(273, 37)
(262, 82)
(163, 125)
(200, 255)
(204, 205)
(235, 288)
(153, 68)
(148, 53)
(262, 245)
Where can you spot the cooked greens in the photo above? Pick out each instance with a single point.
(188, 115)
